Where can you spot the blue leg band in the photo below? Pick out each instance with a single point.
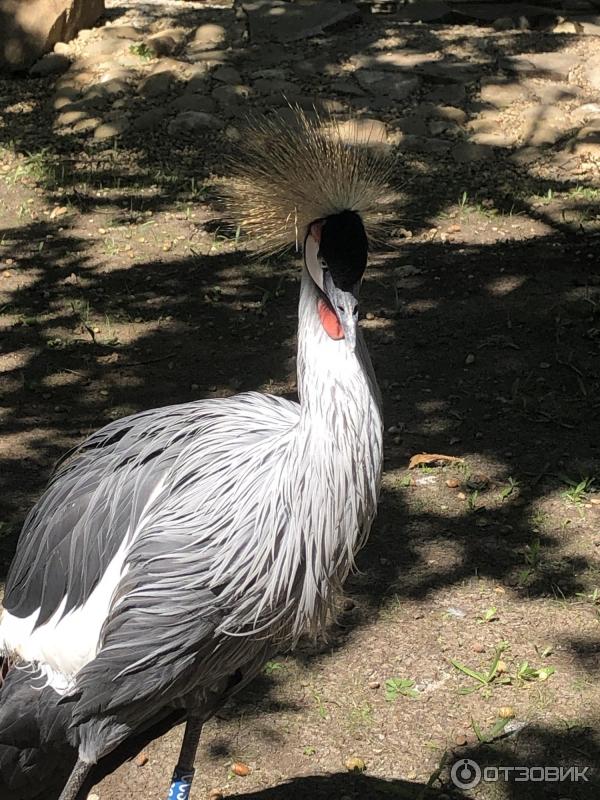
(181, 784)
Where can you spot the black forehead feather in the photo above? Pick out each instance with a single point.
(344, 248)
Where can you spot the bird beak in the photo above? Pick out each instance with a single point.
(345, 305)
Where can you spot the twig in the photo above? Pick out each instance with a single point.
(142, 363)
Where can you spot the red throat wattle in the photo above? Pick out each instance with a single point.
(329, 320)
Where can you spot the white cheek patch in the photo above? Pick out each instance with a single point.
(312, 260)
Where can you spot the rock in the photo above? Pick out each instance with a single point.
(70, 117)
(106, 46)
(450, 113)
(31, 28)
(466, 152)
(109, 130)
(363, 131)
(554, 65)
(194, 122)
(227, 75)
(121, 32)
(447, 95)
(592, 71)
(274, 20)
(590, 26)
(167, 42)
(503, 24)
(383, 83)
(149, 120)
(275, 86)
(587, 142)
(564, 26)
(87, 124)
(551, 92)
(208, 37)
(156, 85)
(193, 102)
(394, 60)
(228, 95)
(424, 144)
(423, 11)
(348, 88)
(502, 95)
(415, 126)
(50, 64)
(585, 112)
(505, 140)
(64, 97)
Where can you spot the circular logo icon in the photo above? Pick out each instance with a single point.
(465, 774)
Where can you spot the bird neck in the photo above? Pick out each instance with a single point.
(334, 382)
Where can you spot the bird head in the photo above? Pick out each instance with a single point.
(335, 256)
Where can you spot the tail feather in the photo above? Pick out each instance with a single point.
(35, 758)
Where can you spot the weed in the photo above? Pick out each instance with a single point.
(142, 50)
(321, 709)
(309, 750)
(577, 490)
(489, 615)
(593, 597)
(396, 687)
(496, 730)
(472, 500)
(483, 678)
(273, 666)
(511, 486)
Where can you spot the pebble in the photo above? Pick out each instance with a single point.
(452, 483)
(478, 647)
(374, 684)
(51, 64)
(355, 764)
(240, 769)
(194, 122)
(111, 129)
(142, 759)
(460, 740)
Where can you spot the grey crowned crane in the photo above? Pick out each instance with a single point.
(177, 549)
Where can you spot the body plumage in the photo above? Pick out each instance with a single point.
(178, 548)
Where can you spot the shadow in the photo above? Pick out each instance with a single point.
(106, 312)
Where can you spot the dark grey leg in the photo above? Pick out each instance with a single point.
(183, 776)
(76, 781)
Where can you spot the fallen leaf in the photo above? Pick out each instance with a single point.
(431, 458)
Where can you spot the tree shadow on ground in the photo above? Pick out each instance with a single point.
(216, 322)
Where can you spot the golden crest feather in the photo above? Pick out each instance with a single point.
(294, 169)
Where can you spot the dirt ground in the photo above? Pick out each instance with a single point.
(123, 287)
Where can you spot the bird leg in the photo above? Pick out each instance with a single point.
(76, 780)
(183, 775)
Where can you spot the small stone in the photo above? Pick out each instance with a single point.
(194, 102)
(156, 85)
(208, 37)
(355, 764)
(51, 64)
(149, 120)
(460, 740)
(452, 483)
(374, 684)
(240, 769)
(58, 211)
(194, 122)
(465, 152)
(477, 647)
(595, 501)
(227, 75)
(470, 359)
(506, 712)
(461, 495)
(111, 129)
(142, 759)
(167, 42)
(565, 26)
